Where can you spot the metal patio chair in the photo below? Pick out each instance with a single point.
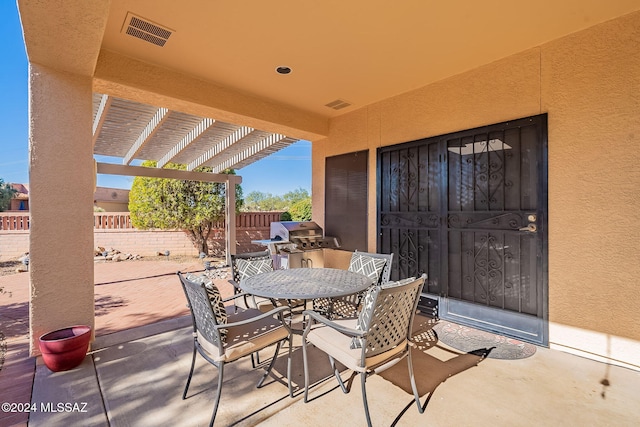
(381, 334)
(373, 265)
(224, 334)
(252, 263)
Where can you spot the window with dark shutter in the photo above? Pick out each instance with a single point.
(346, 199)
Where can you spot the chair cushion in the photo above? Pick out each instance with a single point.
(248, 268)
(364, 317)
(338, 345)
(213, 293)
(246, 339)
(367, 265)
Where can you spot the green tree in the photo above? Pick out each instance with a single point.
(301, 210)
(193, 206)
(257, 201)
(293, 197)
(6, 194)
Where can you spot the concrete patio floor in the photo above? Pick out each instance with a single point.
(136, 378)
(135, 375)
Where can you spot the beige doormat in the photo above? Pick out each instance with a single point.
(471, 340)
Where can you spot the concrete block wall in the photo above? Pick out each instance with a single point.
(13, 244)
(142, 242)
(145, 242)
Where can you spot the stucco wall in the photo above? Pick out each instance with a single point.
(589, 84)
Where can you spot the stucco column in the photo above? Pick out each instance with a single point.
(61, 177)
(230, 215)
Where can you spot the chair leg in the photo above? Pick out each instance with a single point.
(289, 366)
(193, 363)
(363, 380)
(273, 362)
(345, 388)
(218, 393)
(306, 369)
(255, 360)
(413, 383)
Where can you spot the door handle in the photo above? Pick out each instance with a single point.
(531, 228)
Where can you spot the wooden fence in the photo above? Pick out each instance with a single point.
(122, 221)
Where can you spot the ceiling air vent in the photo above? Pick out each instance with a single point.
(146, 30)
(338, 104)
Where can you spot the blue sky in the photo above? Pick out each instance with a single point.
(284, 171)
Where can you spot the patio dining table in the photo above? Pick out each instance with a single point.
(305, 283)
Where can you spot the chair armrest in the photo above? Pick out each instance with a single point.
(278, 310)
(234, 283)
(340, 328)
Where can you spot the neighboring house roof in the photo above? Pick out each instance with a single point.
(22, 191)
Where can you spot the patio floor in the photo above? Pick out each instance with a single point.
(134, 376)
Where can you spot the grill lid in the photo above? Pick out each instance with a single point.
(286, 230)
(297, 236)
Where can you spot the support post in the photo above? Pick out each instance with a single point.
(62, 185)
(230, 222)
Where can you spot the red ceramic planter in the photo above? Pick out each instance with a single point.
(65, 348)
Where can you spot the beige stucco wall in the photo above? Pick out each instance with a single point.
(589, 84)
(113, 206)
(61, 245)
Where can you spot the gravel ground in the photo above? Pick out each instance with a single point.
(9, 267)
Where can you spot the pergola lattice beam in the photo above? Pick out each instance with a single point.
(192, 136)
(101, 115)
(248, 152)
(146, 134)
(219, 147)
(115, 169)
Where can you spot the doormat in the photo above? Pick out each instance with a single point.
(472, 340)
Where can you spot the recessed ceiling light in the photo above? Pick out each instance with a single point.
(283, 70)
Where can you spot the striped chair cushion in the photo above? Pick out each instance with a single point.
(368, 266)
(215, 298)
(249, 268)
(365, 314)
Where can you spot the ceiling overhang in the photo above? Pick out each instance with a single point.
(209, 93)
(128, 78)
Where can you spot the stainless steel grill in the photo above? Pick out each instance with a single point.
(306, 235)
(297, 244)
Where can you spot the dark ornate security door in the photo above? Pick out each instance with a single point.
(469, 209)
